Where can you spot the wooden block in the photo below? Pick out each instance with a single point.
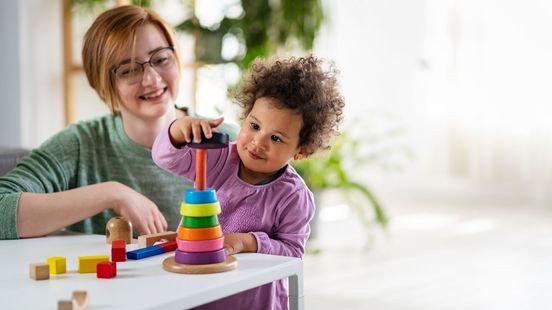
(57, 264)
(65, 305)
(145, 252)
(118, 251)
(81, 298)
(39, 271)
(87, 264)
(118, 228)
(106, 270)
(79, 301)
(168, 246)
(149, 240)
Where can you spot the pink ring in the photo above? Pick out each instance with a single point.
(200, 245)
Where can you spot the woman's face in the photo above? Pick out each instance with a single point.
(152, 94)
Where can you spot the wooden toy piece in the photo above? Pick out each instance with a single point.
(118, 228)
(207, 233)
(57, 264)
(200, 222)
(87, 264)
(168, 246)
(79, 301)
(39, 271)
(145, 252)
(205, 196)
(106, 270)
(149, 240)
(201, 170)
(200, 245)
(169, 264)
(218, 140)
(200, 258)
(118, 251)
(200, 210)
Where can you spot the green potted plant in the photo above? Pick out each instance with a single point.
(332, 170)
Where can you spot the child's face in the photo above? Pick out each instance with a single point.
(268, 139)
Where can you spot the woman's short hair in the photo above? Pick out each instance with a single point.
(109, 37)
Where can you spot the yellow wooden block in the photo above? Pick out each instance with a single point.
(87, 264)
(57, 264)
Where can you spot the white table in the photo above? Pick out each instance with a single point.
(141, 284)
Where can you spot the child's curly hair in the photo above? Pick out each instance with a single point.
(299, 84)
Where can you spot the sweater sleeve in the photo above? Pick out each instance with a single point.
(291, 229)
(49, 168)
(178, 161)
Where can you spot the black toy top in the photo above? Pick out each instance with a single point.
(217, 141)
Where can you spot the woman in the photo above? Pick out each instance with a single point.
(96, 169)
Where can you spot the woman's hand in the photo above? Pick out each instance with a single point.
(242, 242)
(139, 210)
(187, 128)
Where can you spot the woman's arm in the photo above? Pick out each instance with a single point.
(39, 214)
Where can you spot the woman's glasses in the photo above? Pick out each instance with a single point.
(132, 72)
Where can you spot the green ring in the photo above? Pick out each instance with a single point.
(200, 222)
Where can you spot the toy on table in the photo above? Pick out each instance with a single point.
(118, 228)
(39, 271)
(78, 301)
(200, 240)
(57, 264)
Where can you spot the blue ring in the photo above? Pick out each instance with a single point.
(193, 196)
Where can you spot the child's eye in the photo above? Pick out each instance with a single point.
(276, 138)
(254, 126)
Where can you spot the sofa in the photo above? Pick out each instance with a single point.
(9, 157)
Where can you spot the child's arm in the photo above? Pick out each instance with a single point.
(291, 230)
(166, 151)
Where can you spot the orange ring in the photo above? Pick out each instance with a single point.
(196, 234)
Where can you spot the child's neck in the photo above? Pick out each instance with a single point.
(254, 177)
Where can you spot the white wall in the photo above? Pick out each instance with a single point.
(10, 74)
(41, 58)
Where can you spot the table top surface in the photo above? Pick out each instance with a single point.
(140, 284)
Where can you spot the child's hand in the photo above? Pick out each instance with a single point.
(183, 130)
(237, 243)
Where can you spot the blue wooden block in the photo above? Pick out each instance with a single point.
(145, 252)
(193, 196)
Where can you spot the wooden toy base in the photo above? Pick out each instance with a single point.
(230, 263)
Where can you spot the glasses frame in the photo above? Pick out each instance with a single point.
(142, 64)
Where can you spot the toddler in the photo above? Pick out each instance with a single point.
(291, 109)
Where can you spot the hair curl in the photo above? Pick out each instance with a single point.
(299, 84)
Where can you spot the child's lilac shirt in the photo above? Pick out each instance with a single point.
(277, 213)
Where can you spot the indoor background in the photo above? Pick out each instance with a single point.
(446, 143)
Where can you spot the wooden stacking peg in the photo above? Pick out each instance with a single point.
(118, 228)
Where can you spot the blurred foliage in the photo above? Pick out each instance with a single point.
(329, 171)
(263, 27)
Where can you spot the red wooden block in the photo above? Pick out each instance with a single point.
(106, 270)
(168, 246)
(118, 251)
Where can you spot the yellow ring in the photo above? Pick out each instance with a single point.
(200, 209)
